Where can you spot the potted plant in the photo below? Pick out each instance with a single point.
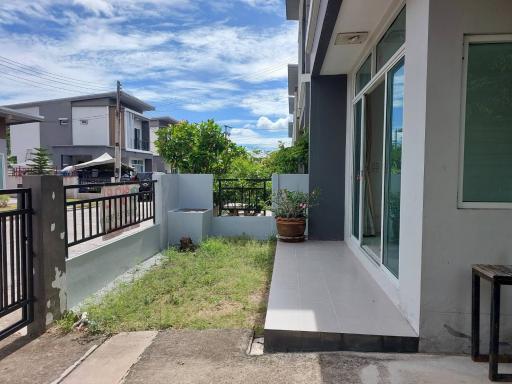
(290, 209)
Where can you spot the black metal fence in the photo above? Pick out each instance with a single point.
(16, 276)
(86, 182)
(247, 196)
(120, 206)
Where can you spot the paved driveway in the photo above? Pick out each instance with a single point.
(218, 356)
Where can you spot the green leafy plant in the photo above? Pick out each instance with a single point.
(292, 159)
(293, 204)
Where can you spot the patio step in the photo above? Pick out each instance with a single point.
(323, 299)
(110, 362)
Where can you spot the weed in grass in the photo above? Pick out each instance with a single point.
(65, 323)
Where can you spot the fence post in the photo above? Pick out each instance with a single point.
(49, 247)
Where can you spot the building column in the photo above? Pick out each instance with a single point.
(48, 225)
(327, 133)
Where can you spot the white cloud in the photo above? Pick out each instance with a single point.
(170, 64)
(251, 138)
(267, 102)
(266, 124)
(271, 5)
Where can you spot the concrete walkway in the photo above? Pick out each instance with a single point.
(219, 356)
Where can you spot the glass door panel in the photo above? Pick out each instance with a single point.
(373, 170)
(393, 167)
(356, 170)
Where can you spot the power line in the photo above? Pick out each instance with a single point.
(33, 83)
(47, 73)
(48, 79)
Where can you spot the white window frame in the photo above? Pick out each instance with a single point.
(468, 39)
(376, 78)
(142, 162)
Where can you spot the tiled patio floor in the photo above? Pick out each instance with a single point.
(320, 287)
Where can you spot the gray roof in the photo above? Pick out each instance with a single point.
(165, 119)
(126, 98)
(15, 117)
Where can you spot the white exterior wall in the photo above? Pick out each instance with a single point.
(96, 131)
(152, 139)
(453, 238)
(25, 136)
(413, 154)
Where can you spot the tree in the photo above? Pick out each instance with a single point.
(249, 165)
(290, 159)
(41, 163)
(197, 147)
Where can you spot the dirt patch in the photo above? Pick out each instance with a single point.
(224, 308)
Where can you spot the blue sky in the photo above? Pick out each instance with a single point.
(191, 59)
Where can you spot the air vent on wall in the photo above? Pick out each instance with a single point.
(347, 38)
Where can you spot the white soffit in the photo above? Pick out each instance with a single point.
(354, 16)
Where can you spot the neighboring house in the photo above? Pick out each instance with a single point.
(154, 125)
(79, 129)
(408, 105)
(9, 118)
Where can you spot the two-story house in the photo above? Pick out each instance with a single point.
(154, 125)
(9, 118)
(79, 129)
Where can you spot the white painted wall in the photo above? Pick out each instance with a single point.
(152, 139)
(195, 191)
(25, 136)
(96, 131)
(292, 182)
(453, 238)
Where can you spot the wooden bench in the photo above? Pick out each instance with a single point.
(497, 275)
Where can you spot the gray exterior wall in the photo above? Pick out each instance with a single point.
(327, 155)
(52, 133)
(455, 238)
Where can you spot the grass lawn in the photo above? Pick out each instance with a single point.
(223, 284)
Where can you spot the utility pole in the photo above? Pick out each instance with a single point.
(117, 135)
(227, 129)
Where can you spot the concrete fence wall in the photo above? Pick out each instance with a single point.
(183, 207)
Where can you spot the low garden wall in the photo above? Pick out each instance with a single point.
(195, 192)
(91, 271)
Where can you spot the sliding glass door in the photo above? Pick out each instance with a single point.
(393, 166)
(377, 166)
(378, 86)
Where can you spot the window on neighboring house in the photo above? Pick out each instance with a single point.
(63, 121)
(137, 138)
(138, 165)
(84, 122)
(392, 40)
(364, 74)
(486, 178)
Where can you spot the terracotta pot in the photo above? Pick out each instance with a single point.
(291, 230)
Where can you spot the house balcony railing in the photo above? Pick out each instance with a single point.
(140, 145)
